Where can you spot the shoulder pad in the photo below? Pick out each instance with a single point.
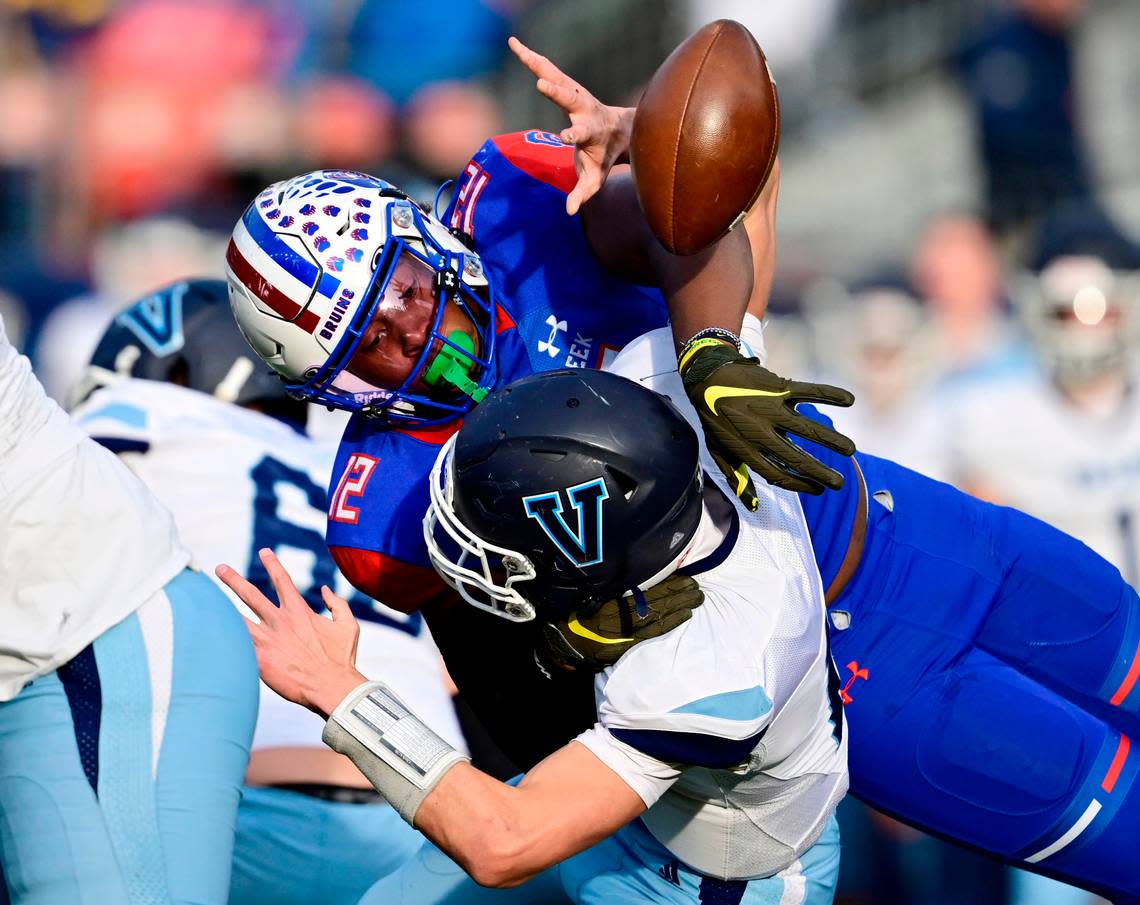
(541, 155)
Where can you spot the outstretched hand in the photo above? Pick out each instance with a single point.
(748, 413)
(599, 133)
(305, 658)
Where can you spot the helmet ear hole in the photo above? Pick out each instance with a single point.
(626, 484)
(551, 455)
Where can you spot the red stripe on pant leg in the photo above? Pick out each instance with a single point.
(1117, 764)
(1129, 680)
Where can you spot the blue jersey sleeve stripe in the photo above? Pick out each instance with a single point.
(122, 444)
(690, 748)
(742, 706)
(720, 554)
(130, 415)
(292, 262)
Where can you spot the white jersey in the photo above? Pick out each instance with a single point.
(83, 543)
(1017, 440)
(729, 727)
(236, 481)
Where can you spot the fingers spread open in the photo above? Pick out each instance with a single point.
(820, 392)
(536, 63)
(287, 594)
(812, 430)
(539, 65)
(338, 606)
(261, 605)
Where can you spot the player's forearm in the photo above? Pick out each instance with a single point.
(500, 835)
(760, 226)
(503, 835)
(487, 827)
(709, 289)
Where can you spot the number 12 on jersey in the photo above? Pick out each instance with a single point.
(357, 473)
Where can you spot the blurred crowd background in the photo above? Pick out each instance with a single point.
(958, 214)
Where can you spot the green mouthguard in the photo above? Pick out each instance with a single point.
(452, 367)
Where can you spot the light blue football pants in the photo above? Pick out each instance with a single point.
(120, 772)
(292, 849)
(629, 866)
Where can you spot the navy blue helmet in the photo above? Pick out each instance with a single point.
(561, 491)
(185, 334)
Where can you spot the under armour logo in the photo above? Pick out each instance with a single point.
(856, 673)
(669, 872)
(582, 545)
(548, 345)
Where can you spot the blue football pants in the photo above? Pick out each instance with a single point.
(990, 672)
(292, 849)
(120, 772)
(629, 866)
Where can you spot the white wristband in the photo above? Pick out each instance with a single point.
(402, 757)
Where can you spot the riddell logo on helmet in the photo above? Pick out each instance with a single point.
(337, 314)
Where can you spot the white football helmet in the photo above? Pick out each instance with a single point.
(1080, 315)
(308, 266)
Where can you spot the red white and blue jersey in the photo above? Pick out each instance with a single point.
(558, 308)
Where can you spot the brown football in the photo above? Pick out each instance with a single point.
(705, 136)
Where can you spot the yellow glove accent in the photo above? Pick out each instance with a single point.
(578, 629)
(692, 348)
(715, 394)
(741, 478)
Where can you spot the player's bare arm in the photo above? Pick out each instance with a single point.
(501, 835)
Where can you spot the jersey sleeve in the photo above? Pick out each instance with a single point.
(377, 500)
(518, 162)
(117, 422)
(694, 697)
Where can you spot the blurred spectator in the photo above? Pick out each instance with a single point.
(891, 373)
(443, 125)
(344, 123)
(399, 46)
(790, 33)
(1018, 75)
(128, 262)
(439, 129)
(145, 111)
(956, 272)
(31, 115)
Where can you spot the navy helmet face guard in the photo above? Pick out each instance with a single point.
(310, 265)
(563, 490)
(185, 334)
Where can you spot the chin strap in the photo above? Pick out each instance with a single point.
(452, 367)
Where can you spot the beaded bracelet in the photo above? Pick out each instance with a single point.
(704, 338)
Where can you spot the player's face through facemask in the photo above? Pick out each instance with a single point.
(394, 341)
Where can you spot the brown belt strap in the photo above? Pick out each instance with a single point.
(854, 554)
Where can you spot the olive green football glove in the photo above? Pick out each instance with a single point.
(594, 642)
(748, 412)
